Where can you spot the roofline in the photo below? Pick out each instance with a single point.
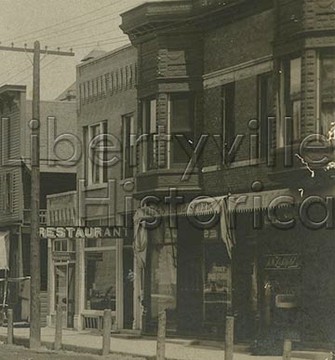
(55, 101)
(9, 87)
(112, 52)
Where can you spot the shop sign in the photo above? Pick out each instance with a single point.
(81, 232)
(283, 262)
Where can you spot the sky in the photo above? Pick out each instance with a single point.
(78, 24)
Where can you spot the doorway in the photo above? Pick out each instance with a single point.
(189, 278)
(65, 291)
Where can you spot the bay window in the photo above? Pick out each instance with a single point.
(181, 127)
(327, 92)
(170, 144)
(288, 130)
(149, 129)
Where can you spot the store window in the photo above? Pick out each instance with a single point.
(100, 274)
(327, 93)
(96, 153)
(128, 146)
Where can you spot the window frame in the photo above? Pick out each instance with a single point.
(90, 167)
(128, 139)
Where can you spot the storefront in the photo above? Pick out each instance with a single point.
(209, 266)
(86, 275)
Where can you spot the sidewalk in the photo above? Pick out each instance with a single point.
(87, 342)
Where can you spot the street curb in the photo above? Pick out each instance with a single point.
(21, 341)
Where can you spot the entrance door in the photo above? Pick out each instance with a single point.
(189, 277)
(65, 291)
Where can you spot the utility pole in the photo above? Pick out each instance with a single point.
(35, 282)
(34, 125)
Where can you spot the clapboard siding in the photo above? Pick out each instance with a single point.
(10, 152)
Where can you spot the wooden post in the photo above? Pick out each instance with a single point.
(229, 338)
(59, 327)
(106, 335)
(35, 282)
(287, 349)
(161, 333)
(10, 327)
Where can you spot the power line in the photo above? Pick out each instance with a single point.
(71, 43)
(54, 33)
(92, 43)
(63, 22)
(7, 72)
(42, 68)
(15, 75)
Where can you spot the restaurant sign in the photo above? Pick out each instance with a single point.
(282, 262)
(81, 232)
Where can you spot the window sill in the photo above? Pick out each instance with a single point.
(233, 165)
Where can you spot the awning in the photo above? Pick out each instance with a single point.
(206, 205)
(242, 202)
(4, 250)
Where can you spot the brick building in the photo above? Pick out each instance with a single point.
(230, 96)
(89, 275)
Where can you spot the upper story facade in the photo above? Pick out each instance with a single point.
(261, 79)
(107, 119)
(56, 119)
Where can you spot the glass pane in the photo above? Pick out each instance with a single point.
(295, 76)
(100, 279)
(181, 114)
(327, 93)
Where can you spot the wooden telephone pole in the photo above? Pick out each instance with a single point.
(34, 125)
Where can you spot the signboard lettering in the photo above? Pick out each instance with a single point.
(282, 262)
(80, 232)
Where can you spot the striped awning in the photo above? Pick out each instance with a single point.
(244, 202)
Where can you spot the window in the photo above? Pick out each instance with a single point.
(112, 83)
(228, 118)
(7, 192)
(148, 130)
(95, 143)
(265, 110)
(181, 127)
(128, 146)
(121, 79)
(100, 275)
(127, 76)
(117, 83)
(107, 83)
(291, 88)
(327, 92)
(131, 76)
